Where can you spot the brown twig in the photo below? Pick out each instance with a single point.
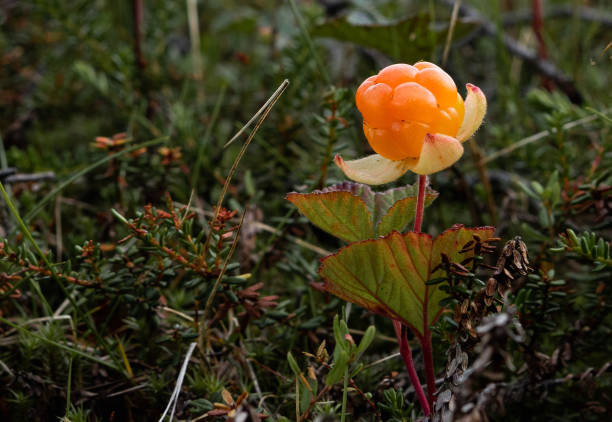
(13, 258)
(483, 173)
(313, 400)
(138, 7)
(26, 178)
(370, 402)
(141, 63)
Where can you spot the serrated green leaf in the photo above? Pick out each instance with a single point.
(397, 208)
(339, 213)
(389, 275)
(405, 40)
(353, 212)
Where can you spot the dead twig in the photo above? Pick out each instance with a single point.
(12, 177)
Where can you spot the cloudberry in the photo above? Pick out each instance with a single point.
(403, 103)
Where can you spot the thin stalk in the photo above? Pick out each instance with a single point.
(344, 394)
(203, 330)
(297, 400)
(483, 173)
(345, 315)
(406, 353)
(426, 339)
(196, 55)
(270, 103)
(418, 219)
(451, 30)
(69, 386)
(430, 374)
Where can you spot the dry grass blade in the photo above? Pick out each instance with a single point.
(194, 37)
(179, 382)
(263, 113)
(202, 329)
(267, 105)
(451, 30)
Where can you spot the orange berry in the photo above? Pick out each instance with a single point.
(413, 102)
(374, 105)
(410, 135)
(402, 140)
(447, 122)
(440, 84)
(404, 103)
(460, 107)
(425, 65)
(362, 88)
(396, 74)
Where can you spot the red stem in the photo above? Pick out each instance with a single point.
(426, 339)
(430, 374)
(418, 219)
(537, 24)
(406, 353)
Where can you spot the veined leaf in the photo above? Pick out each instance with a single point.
(353, 212)
(389, 275)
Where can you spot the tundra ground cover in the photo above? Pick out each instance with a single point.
(130, 229)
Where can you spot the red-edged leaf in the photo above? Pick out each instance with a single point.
(388, 275)
(353, 212)
(341, 213)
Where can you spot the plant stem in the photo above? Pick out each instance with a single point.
(430, 374)
(344, 394)
(418, 220)
(407, 356)
(69, 386)
(426, 339)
